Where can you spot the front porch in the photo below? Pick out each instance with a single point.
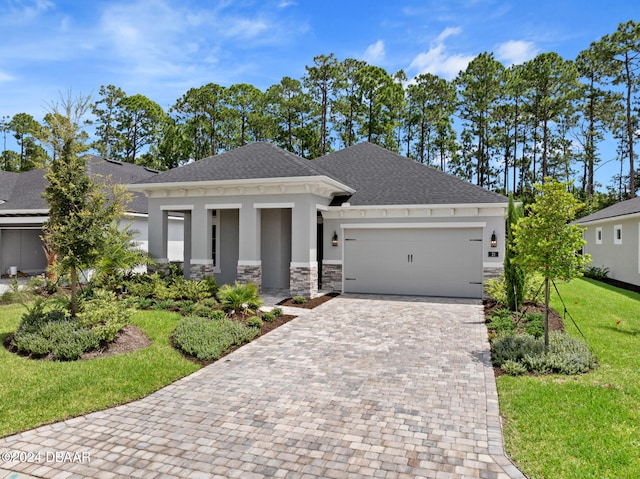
(274, 245)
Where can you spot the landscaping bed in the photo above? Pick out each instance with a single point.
(308, 303)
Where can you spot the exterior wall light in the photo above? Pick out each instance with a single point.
(334, 239)
(494, 240)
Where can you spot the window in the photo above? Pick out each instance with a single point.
(617, 234)
(599, 235)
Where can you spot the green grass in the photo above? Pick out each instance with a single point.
(582, 426)
(36, 392)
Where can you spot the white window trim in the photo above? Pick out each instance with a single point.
(617, 228)
(599, 235)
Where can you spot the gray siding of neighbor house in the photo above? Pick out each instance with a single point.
(621, 259)
(22, 248)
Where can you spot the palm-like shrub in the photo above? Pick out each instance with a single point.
(239, 297)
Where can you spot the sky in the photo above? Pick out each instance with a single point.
(161, 48)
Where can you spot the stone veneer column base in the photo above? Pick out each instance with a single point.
(490, 272)
(250, 273)
(303, 280)
(332, 276)
(201, 268)
(161, 266)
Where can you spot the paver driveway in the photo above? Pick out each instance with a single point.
(384, 387)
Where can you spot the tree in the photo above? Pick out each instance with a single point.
(552, 85)
(479, 87)
(203, 111)
(546, 242)
(79, 211)
(346, 109)
(514, 276)
(321, 81)
(107, 110)
(140, 121)
(243, 100)
(27, 131)
(290, 109)
(621, 52)
(432, 100)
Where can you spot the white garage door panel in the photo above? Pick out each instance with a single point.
(420, 261)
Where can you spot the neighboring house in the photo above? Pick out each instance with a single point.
(23, 211)
(612, 235)
(361, 220)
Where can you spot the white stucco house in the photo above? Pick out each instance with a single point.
(613, 239)
(361, 220)
(23, 211)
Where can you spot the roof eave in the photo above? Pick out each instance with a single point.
(293, 180)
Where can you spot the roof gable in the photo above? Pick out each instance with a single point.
(253, 161)
(622, 208)
(382, 177)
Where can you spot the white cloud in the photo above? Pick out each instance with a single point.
(27, 10)
(438, 60)
(448, 32)
(515, 52)
(374, 53)
(5, 77)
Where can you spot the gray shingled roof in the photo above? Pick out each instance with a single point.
(7, 181)
(25, 191)
(253, 161)
(627, 207)
(381, 177)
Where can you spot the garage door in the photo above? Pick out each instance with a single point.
(414, 261)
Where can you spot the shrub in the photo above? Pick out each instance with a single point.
(208, 309)
(534, 324)
(502, 321)
(212, 285)
(299, 299)
(239, 297)
(143, 303)
(187, 307)
(277, 311)
(496, 288)
(513, 368)
(268, 316)
(163, 304)
(254, 322)
(594, 272)
(514, 347)
(43, 332)
(104, 315)
(209, 340)
(194, 290)
(143, 285)
(567, 355)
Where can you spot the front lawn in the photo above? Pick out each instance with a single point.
(585, 426)
(35, 392)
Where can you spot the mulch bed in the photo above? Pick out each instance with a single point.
(309, 303)
(621, 284)
(131, 338)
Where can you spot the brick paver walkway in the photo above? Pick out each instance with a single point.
(383, 387)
